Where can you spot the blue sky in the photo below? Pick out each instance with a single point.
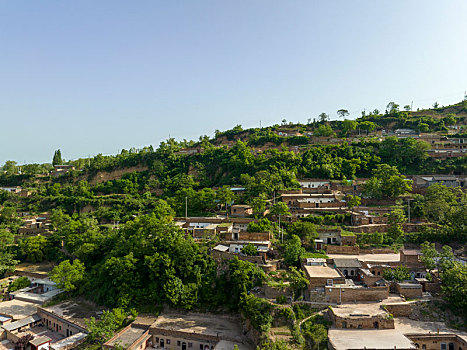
(94, 77)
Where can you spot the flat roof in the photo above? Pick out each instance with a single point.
(221, 248)
(321, 271)
(225, 327)
(371, 309)
(129, 336)
(343, 339)
(75, 311)
(372, 258)
(17, 309)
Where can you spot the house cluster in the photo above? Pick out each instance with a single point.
(386, 326)
(23, 319)
(35, 225)
(188, 331)
(341, 280)
(17, 190)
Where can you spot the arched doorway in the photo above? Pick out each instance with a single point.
(183, 346)
(376, 324)
(161, 343)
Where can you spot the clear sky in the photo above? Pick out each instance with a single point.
(94, 77)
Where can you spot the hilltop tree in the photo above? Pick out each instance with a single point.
(392, 107)
(10, 167)
(323, 117)
(57, 159)
(342, 113)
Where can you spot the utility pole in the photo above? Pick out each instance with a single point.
(408, 209)
(186, 208)
(280, 233)
(411, 106)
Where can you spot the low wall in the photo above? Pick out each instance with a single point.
(217, 255)
(274, 292)
(342, 249)
(399, 309)
(336, 295)
(377, 251)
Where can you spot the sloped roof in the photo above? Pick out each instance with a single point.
(354, 263)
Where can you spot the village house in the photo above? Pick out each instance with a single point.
(424, 181)
(39, 292)
(320, 274)
(59, 327)
(190, 331)
(241, 210)
(360, 316)
(348, 267)
(62, 169)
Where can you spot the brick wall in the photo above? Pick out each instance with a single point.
(399, 309)
(362, 322)
(349, 240)
(254, 236)
(274, 292)
(341, 249)
(356, 294)
(217, 255)
(434, 341)
(317, 282)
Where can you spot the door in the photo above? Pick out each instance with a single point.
(183, 346)
(161, 343)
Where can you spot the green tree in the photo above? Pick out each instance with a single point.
(353, 201)
(10, 167)
(298, 281)
(400, 273)
(367, 126)
(342, 113)
(34, 248)
(429, 255)
(293, 251)
(111, 321)
(395, 220)
(439, 200)
(280, 209)
(258, 311)
(7, 261)
(19, 283)
(68, 276)
(250, 250)
(454, 287)
(303, 229)
(349, 125)
(323, 117)
(57, 158)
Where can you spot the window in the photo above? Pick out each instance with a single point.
(444, 346)
(190, 345)
(200, 346)
(168, 341)
(423, 347)
(157, 339)
(178, 342)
